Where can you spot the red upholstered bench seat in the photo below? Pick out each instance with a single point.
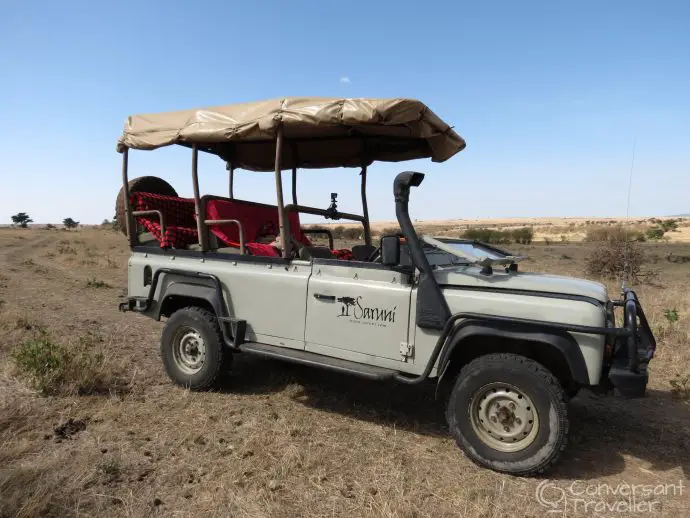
(258, 221)
(178, 218)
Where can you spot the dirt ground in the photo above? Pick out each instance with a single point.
(285, 441)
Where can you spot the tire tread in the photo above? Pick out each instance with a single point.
(557, 395)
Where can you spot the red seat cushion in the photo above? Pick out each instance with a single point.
(258, 221)
(178, 216)
(343, 254)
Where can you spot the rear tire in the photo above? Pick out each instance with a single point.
(509, 413)
(192, 348)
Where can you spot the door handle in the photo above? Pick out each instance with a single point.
(321, 296)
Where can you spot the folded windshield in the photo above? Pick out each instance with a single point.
(466, 252)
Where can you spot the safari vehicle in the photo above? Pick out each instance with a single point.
(507, 348)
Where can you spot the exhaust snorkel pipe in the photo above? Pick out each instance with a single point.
(432, 309)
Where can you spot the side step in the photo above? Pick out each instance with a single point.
(317, 360)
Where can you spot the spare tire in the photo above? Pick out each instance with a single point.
(151, 184)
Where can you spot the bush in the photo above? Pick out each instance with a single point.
(523, 235)
(53, 368)
(391, 230)
(669, 225)
(617, 259)
(487, 235)
(338, 232)
(352, 233)
(671, 314)
(680, 387)
(597, 234)
(655, 233)
(95, 283)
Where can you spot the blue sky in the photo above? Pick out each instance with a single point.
(549, 96)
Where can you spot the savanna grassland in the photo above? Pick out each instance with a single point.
(101, 431)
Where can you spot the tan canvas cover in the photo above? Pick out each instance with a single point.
(318, 132)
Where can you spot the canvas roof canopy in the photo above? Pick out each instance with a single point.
(318, 132)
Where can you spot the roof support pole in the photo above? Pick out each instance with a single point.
(295, 161)
(200, 224)
(282, 220)
(365, 208)
(129, 219)
(231, 168)
(294, 185)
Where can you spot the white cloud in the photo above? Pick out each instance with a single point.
(345, 80)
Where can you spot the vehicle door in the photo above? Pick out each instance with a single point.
(357, 310)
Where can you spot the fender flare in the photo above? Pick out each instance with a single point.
(198, 289)
(559, 340)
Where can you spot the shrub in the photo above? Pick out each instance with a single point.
(63, 248)
(338, 232)
(391, 230)
(523, 235)
(487, 235)
(655, 233)
(53, 368)
(596, 234)
(95, 283)
(617, 259)
(680, 387)
(669, 225)
(352, 233)
(671, 314)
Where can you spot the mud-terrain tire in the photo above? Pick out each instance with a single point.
(192, 348)
(151, 184)
(509, 413)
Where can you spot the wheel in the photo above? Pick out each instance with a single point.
(151, 184)
(192, 348)
(509, 413)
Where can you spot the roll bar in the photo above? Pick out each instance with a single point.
(283, 222)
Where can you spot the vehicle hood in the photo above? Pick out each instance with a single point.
(471, 276)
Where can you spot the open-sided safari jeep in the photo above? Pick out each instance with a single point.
(231, 276)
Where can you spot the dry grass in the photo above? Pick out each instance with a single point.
(280, 440)
(548, 230)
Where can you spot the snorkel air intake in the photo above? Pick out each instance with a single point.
(432, 309)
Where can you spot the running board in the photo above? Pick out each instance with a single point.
(317, 360)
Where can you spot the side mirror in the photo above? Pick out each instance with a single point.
(390, 250)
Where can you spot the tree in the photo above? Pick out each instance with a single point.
(22, 219)
(70, 223)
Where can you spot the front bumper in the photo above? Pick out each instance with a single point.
(632, 351)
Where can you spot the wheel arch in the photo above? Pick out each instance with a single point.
(176, 294)
(557, 351)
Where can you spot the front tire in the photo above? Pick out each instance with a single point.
(192, 348)
(509, 413)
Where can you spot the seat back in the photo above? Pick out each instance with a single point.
(258, 220)
(178, 217)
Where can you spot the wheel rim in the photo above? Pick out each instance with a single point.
(503, 417)
(189, 350)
